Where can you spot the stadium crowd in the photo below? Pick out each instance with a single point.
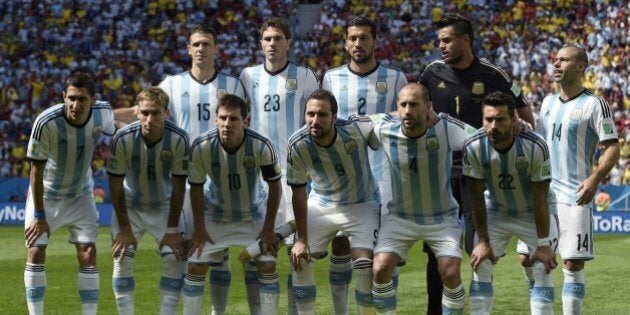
(129, 45)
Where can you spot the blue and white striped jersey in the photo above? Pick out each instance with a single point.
(148, 170)
(278, 101)
(572, 129)
(193, 104)
(371, 93)
(508, 175)
(67, 149)
(236, 191)
(339, 173)
(421, 168)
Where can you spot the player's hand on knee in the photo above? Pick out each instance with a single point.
(270, 240)
(481, 252)
(36, 229)
(300, 253)
(176, 242)
(124, 238)
(198, 241)
(546, 256)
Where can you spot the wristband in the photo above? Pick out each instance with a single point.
(39, 214)
(172, 230)
(543, 242)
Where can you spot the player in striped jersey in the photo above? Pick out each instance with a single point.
(60, 194)
(574, 122)
(332, 154)
(423, 206)
(515, 169)
(147, 168)
(457, 84)
(235, 210)
(278, 89)
(193, 99)
(361, 87)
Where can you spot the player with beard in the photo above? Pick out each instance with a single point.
(332, 154)
(507, 174)
(457, 85)
(361, 87)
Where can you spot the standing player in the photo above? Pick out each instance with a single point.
(147, 168)
(332, 154)
(363, 86)
(457, 84)
(278, 89)
(60, 194)
(515, 169)
(574, 122)
(423, 204)
(193, 99)
(234, 210)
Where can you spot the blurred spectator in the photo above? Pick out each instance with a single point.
(602, 200)
(129, 45)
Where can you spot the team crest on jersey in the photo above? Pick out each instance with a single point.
(478, 88)
(433, 144)
(381, 87)
(545, 171)
(97, 131)
(166, 156)
(249, 161)
(350, 146)
(185, 165)
(521, 163)
(112, 163)
(221, 92)
(35, 146)
(291, 84)
(575, 115)
(608, 129)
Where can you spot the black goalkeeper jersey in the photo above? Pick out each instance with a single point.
(459, 92)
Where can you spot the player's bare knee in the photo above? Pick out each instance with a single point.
(266, 267)
(449, 269)
(340, 246)
(383, 267)
(86, 254)
(525, 261)
(36, 255)
(573, 265)
(197, 269)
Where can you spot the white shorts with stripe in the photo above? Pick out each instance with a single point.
(575, 233)
(143, 221)
(501, 229)
(398, 235)
(225, 235)
(78, 214)
(358, 221)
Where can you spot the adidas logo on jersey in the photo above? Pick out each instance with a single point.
(441, 85)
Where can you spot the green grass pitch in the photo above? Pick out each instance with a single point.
(607, 278)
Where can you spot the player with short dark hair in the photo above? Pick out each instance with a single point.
(233, 209)
(363, 86)
(60, 192)
(278, 89)
(332, 155)
(507, 173)
(457, 85)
